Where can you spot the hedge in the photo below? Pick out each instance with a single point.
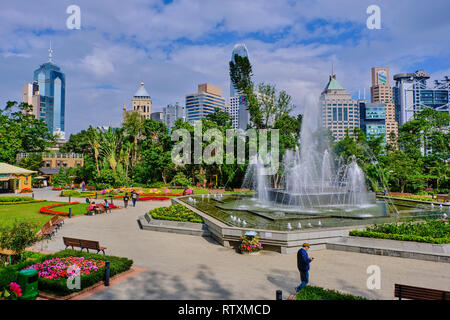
(402, 237)
(317, 293)
(176, 212)
(59, 287)
(20, 202)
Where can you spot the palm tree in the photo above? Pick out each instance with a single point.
(94, 142)
(110, 145)
(133, 124)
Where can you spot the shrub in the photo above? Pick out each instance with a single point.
(317, 293)
(176, 212)
(431, 231)
(180, 179)
(17, 237)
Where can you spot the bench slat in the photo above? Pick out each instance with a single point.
(418, 293)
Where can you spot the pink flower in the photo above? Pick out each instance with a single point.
(15, 288)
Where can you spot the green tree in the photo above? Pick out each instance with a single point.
(21, 132)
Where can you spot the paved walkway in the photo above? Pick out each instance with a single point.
(190, 267)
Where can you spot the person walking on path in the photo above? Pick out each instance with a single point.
(303, 262)
(134, 197)
(125, 200)
(107, 206)
(83, 185)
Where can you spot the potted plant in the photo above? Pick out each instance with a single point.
(250, 243)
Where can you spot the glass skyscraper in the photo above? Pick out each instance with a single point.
(52, 91)
(373, 119)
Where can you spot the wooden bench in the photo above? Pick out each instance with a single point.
(416, 293)
(48, 230)
(444, 197)
(83, 244)
(57, 221)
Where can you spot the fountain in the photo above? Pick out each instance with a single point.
(316, 190)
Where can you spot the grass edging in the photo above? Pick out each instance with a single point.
(401, 237)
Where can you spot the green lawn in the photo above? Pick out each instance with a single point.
(24, 212)
(77, 209)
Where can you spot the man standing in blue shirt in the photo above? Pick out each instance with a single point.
(303, 262)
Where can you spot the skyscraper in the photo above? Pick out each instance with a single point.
(204, 102)
(339, 111)
(381, 92)
(412, 95)
(171, 113)
(30, 95)
(52, 90)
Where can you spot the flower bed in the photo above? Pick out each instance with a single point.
(317, 293)
(26, 190)
(57, 189)
(431, 231)
(47, 209)
(58, 285)
(176, 212)
(63, 268)
(153, 198)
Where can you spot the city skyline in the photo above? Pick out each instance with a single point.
(292, 47)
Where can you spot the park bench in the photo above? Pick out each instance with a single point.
(83, 244)
(48, 230)
(416, 293)
(444, 197)
(56, 221)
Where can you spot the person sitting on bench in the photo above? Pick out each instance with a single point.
(94, 208)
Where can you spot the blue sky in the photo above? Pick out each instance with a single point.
(174, 45)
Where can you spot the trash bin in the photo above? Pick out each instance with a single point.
(28, 281)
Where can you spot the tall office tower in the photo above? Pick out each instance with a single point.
(339, 111)
(241, 50)
(381, 92)
(233, 110)
(171, 113)
(373, 119)
(52, 90)
(412, 95)
(30, 95)
(204, 102)
(141, 102)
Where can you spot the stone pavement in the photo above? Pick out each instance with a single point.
(190, 267)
